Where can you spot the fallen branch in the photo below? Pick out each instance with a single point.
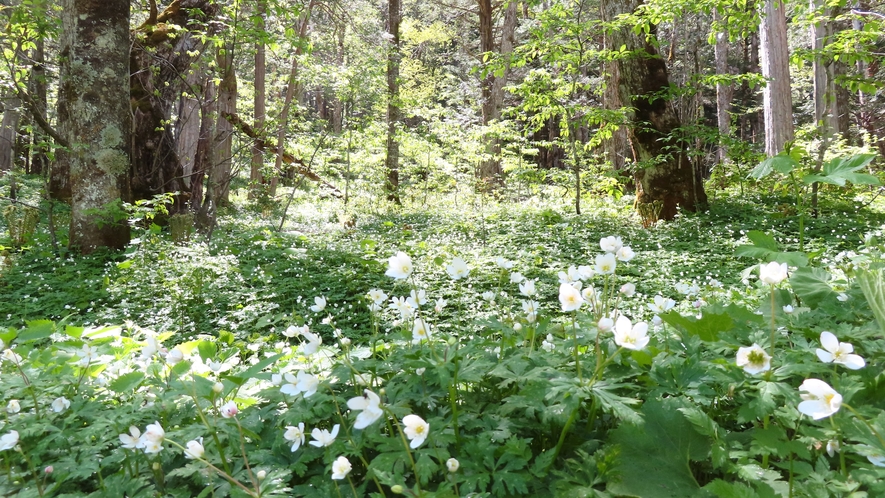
(263, 143)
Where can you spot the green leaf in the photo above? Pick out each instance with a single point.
(793, 258)
(707, 328)
(762, 239)
(811, 285)
(127, 383)
(782, 163)
(723, 489)
(73, 331)
(258, 367)
(36, 330)
(840, 170)
(654, 457)
(207, 350)
(872, 283)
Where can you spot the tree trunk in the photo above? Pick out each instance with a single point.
(665, 179)
(777, 100)
(391, 162)
(256, 178)
(493, 86)
(94, 117)
(222, 144)
(723, 89)
(187, 125)
(9, 130)
(160, 56)
(291, 92)
(37, 88)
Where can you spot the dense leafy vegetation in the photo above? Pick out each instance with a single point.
(534, 356)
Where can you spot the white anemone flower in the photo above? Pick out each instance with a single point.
(503, 263)
(175, 356)
(569, 297)
(631, 336)
(295, 435)
(322, 437)
(61, 404)
(628, 289)
(377, 296)
(416, 430)
(527, 288)
(838, 352)
(8, 440)
(821, 400)
(516, 277)
(440, 304)
(753, 359)
(611, 244)
(661, 304)
(773, 273)
(605, 264)
(194, 449)
(625, 254)
(605, 324)
(313, 342)
(399, 266)
(420, 331)
(320, 304)
(417, 299)
(13, 407)
(341, 467)
(369, 405)
(131, 440)
(229, 409)
(452, 464)
(458, 269)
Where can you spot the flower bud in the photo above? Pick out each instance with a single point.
(397, 489)
(517, 326)
(261, 475)
(156, 466)
(217, 387)
(48, 469)
(453, 464)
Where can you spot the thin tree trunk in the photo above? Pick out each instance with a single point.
(37, 88)
(291, 92)
(9, 130)
(187, 126)
(723, 89)
(256, 178)
(776, 97)
(94, 116)
(391, 162)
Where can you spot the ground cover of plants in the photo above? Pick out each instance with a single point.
(478, 347)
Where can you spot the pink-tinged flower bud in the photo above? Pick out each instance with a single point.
(48, 469)
(229, 409)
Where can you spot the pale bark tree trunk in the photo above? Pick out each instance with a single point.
(187, 126)
(775, 60)
(256, 178)
(292, 91)
(723, 89)
(94, 116)
(493, 86)
(391, 162)
(665, 179)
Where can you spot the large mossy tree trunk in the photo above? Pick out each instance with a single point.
(94, 117)
(161, 54)
(665, 178)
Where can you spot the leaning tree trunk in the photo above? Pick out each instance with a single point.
(94, 116)
(665, 179)
(777, 101)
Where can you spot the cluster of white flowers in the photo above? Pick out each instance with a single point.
(151, 441)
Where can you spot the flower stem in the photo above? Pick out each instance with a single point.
(564, 433)
(772, 322)
(577, 356)
(864, 420)
(220, 472)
